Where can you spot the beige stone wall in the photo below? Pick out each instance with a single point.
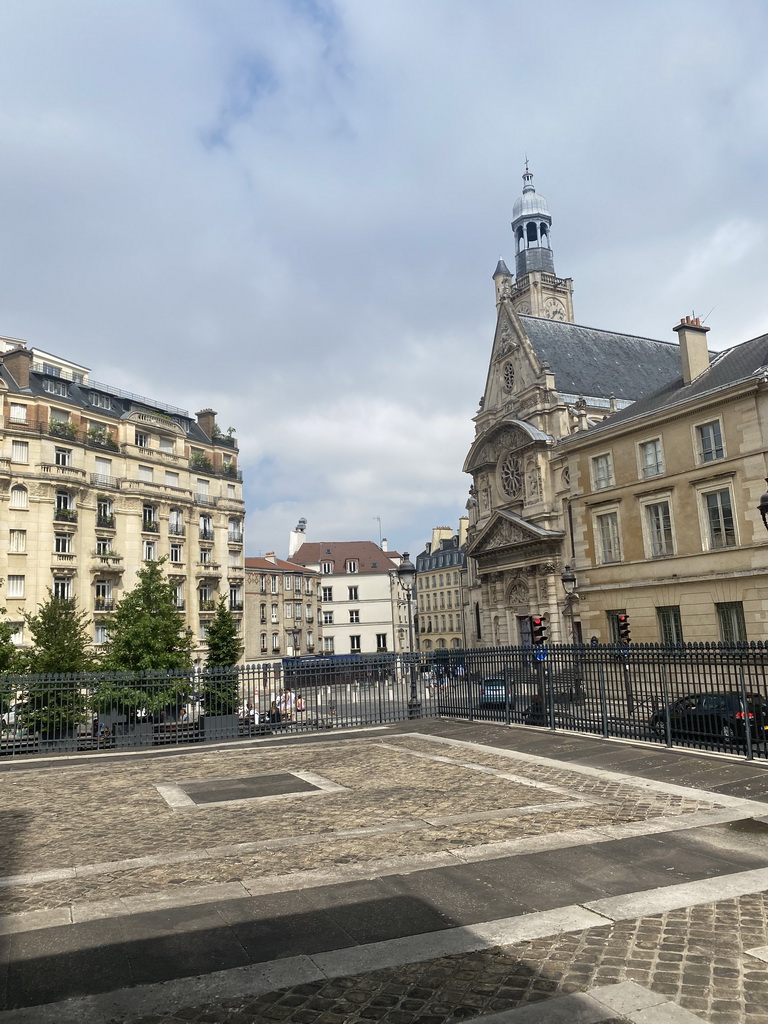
(267, 587)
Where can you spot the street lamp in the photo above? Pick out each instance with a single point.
(568, 579)
(294, 632)
(406, 577)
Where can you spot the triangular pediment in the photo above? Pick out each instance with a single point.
(506, 531)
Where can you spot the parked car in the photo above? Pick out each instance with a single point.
(718, 716)
(495, 691)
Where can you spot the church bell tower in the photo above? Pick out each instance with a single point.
(535, 289)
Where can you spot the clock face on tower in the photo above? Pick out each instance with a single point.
(554, 309)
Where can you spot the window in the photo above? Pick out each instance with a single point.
(55, 387)
(326, 568)
(176, 522)
(99, 401)
(354, 615)
(275, 641)
(205, 556)
(103, 474)
(262, 584)
(328, 644)
(103, 594)
(62, 543)
(381, 642)
(730, 616)
(274, 613)
(63, 501)
(231, 491)
(327, 594)
(206, 527)
(62, 588)
(651, 460)
(176, 552)
(203, 629)
(670, 627)
(273, 583)
(100, 635)
(263, 641)
(235, 599)
(142, 439)
(721, 528)
(18, 541)
(62, 456)
(354, 645)
(15, 586)
(166, 444)
(103, 545)
(710, 441)
(287, 584)
(201, 487)
(150, 550)
(149, 518)
(145, 474)
(19, 451)
(58, 416)
(178, 597)
(659, 523)
(351, 565)
(105, 513)
(171, 479)
(205, 595)
(297, 611)
(234, 559)
(327, 618)
(608, 537)
(602, 471)
(235, 531)
(353, 593)
(18, 413)
(288, 610)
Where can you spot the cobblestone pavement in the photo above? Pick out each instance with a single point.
(409, 793)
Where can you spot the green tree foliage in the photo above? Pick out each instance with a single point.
(220, 676)
(224, 645)
(61, 638)
(61, 644)
(146, 632)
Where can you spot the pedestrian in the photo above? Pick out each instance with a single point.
(274, 713)
(287, 702)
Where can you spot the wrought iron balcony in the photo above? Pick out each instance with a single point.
(65, 515)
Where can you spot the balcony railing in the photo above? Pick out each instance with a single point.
(175, 530)
(99, 480)
(54, 468)
(235, 537)
(235, 606)
(206, 500)
(65, 515)
(179, 605)
(149, 526)
(105, 522)
(206, 533)
(104, 604)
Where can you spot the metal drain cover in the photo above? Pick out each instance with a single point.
(214, 791)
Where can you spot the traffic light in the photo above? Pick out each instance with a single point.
(623, 624)
(538, 631)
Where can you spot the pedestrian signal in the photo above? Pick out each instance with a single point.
(538, 631)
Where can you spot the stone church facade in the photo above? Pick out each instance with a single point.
(548, 378)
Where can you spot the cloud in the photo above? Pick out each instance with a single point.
(290, 211)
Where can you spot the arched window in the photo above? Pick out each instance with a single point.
(19, 497)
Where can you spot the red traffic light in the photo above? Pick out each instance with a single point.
(538, 631)
(622, 621)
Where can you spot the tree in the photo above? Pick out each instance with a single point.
(224, 650)
(146, 632)
(61, 638)
(224, 645)
(61, 644)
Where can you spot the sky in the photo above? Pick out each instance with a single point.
(290, 211)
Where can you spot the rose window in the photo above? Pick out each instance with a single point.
(512, 476)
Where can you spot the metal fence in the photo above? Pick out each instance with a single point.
(707, 696)
(103, 711)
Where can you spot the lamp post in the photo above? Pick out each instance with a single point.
(762, 508)
(568, 579)
(295, 634)
(406, 577)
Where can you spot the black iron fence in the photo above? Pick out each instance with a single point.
(710, 696)
(707, 696)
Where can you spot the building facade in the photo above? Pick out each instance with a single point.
(282, 610)
(363, 609)
(664, 498)
(95, 481)
(441, 587)
(547, 378)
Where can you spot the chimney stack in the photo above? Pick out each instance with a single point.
(18, 363)
(206, 420)
(694, 353)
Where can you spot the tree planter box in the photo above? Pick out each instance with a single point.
(220, 727)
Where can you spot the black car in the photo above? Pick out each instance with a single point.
(714, 716)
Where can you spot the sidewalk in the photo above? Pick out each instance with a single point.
(412, 874)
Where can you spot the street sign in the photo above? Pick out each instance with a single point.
(540, 653)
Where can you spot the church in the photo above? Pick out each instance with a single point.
(548, 378)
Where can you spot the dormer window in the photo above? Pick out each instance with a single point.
(351, 565)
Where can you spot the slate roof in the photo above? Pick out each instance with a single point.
(726, 368)
(279, 563)
(595, 363)
(369, 556)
